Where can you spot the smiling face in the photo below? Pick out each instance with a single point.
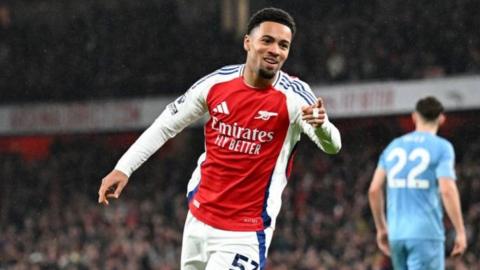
(267, 48)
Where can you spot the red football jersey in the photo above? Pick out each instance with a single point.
(249, 140)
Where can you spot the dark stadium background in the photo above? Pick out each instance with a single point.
(54, 51)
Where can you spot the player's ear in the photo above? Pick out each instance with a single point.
(414, 117)
(246, 43)
(441, 119)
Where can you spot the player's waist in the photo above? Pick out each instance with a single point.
(415, 230)
(228, 221)
(416, 237)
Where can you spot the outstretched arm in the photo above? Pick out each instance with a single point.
(317, 126)
(376, 198)
(179, 114)
(451, 201)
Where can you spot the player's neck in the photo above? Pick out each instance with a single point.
(253, 80)
(422, 127)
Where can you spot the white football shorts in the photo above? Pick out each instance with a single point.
(208, 248)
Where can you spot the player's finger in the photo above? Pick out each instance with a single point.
(119, 189)
(316, 113)
(319, 103)
(457, 250)
(454, 253)
(102, 192)
(103, 200)
(385, 248)
(315, 121)
(312, 111)
(312, 119)
(306, 108)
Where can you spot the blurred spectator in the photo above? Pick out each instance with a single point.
(75, 50)
(4, 16)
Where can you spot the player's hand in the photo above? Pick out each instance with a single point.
(112, 185)
(382, 242)
(460, 245)
(315, 114)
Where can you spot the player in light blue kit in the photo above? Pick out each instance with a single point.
(419, 169)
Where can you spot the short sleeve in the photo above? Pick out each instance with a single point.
(381, 161)
(446, 163)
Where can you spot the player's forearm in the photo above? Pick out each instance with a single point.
(147, 144)
(329, 138)
(451, 201)
(179, 114)
(376, 200)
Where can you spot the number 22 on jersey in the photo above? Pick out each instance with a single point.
(402, 158)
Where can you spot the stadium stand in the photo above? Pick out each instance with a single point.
(96, 49)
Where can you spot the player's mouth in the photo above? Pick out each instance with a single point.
(271, 62)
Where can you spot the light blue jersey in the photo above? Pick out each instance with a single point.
(413, 163)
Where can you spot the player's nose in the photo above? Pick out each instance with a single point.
(274, 50)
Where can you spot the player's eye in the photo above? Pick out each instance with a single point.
(267, 40)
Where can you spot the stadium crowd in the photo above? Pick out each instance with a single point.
(79, 50)
(51, 220)
(73, 50)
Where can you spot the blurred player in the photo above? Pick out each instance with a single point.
(419, 168)
(257, 114)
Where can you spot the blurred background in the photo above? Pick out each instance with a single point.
(80, 80)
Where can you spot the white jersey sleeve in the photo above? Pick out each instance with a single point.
(185, 110)
(326, 137)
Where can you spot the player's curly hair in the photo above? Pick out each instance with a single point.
(429, 108)
(271, 14)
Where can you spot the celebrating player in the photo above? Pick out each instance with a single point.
(257, 114)
(419, 168)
